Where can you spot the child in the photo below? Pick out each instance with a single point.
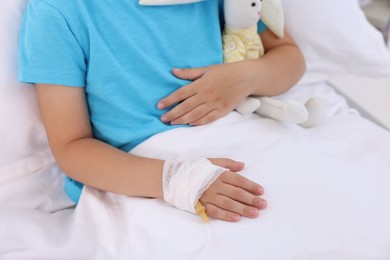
(107, 77)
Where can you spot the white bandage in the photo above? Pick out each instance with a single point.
(185, 181)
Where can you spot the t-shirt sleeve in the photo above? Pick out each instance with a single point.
(261, 26)
(49, 52)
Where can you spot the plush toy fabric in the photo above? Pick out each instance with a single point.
(240, 37)
(241, 41)
(242, 44)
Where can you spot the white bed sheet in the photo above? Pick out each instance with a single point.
(327, 188)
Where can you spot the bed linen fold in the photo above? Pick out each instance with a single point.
(327, 188)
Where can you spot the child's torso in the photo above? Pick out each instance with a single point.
(130, 51)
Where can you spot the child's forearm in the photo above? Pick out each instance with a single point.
(276, 72)
(102, 166)
(65, 115)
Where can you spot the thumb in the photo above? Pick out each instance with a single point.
(189, 74)
(232, 165)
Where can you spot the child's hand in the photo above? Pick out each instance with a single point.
(215, 91)
(231, 195)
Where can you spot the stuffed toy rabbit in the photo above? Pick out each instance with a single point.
(241, 41)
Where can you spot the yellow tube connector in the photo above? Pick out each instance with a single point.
(201, 210)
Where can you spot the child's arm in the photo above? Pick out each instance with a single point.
(217, 89)
(80, 156)
(97, 164)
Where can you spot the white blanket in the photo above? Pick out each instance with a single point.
(327, 189)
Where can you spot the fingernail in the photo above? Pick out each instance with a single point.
(260, 190)
(254, 212)
(236, 217)
(174, 123)
(260, 204)
(263, 205)
(160, 105)
(164, 119)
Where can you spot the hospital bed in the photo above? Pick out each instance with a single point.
(328, 187)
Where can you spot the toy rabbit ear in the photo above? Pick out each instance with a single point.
(273, 16)
(167, 2)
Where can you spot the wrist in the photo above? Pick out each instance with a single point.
(250, 76)
(185, 181)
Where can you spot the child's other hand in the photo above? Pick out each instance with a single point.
(215, 91)
(231, 195)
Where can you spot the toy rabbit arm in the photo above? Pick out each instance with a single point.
(248, 105)
(288, 111)
(308, 114)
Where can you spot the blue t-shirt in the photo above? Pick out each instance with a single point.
(122, 53)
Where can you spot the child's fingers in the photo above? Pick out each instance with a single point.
(227, 163)
(244, 197)
(242, 182)
(218, 213)
(189, 112)
(208, 114)
(209, 117)
(175, 115)
(232, 194)
(231, 205)
(193, 115)
(177, 96)
(189, 73)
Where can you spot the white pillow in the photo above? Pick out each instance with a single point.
(21, 131)
(28, 176)
(336, 39)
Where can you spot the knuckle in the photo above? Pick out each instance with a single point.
(224, 176)
(211, 211)
(174, 113)
(186, 73)
(185, 106)
(170, 100)
(240, 181)
(180, 94)
(197, 113)
(226, 204)
(238, 194)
